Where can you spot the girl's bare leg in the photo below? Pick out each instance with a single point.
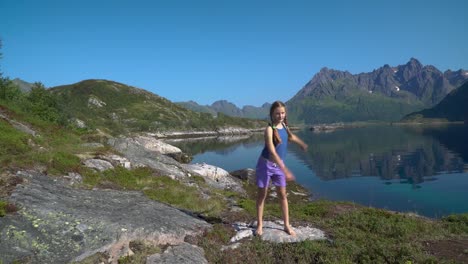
(283, 199)
(261, 196)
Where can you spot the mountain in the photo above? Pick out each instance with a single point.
(230, 109)
(261, 112)
(191, 105)
(119, 108)
(386, 94)
(452, 108)
(23, 85)
(227, 108)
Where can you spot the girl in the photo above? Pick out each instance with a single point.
(270, 164)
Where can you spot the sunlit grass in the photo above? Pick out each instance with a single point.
(3, 205)
(160, 188)
(356, 234)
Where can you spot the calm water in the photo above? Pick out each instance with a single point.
(407, 169)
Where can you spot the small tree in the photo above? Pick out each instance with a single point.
(8, 91)
(42, 103)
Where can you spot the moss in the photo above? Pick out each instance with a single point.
(3, 205)
(142, 249)
(160, 188)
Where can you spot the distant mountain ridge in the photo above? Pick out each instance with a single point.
(452, 108)
(386, 94)
(230, 109)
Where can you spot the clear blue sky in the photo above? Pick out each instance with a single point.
(247, 52)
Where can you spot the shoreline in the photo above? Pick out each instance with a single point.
(203, 134)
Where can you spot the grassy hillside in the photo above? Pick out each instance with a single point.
(119, 108)
(52, 146)
(452, 108)
(356, 106)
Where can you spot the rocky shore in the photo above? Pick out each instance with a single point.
(225, 131)
(60, 222)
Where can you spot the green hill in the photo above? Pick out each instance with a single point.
(191, 105)
(354, 106)
(119, 108)
(452, 108)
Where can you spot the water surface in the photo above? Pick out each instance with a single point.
(408, 169)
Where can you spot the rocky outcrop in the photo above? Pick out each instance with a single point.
(98, 164)
(93, 101)
(59, 224)
(215, 176)
(181, 254)
(142, 153)
(273, 232)
(153, 153)
(152, 144)
(19, 126)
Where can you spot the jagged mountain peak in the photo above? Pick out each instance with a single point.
(387, 90)
(414, 63)
(222, 102)
(326, 75)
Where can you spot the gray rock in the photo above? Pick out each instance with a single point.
(153, 144)
(79, 123)
(73, 178)
(273, 232)
(215, 176)
(59, 224)
(247, 174)
(117, 160)
(19, 126)
(98, 164)
(181, 157)
(93, 145)
(137, 154)
(181, 254)
(96, 102)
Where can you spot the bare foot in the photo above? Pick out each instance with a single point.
(259, 231)
(289, 230)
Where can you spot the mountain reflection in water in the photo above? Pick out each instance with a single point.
(419, 169)
(388, 152)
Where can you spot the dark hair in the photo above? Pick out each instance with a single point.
(276, 136)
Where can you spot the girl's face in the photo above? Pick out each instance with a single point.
(278, 115)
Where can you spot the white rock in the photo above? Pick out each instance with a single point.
(79, 123)
(274, 232)
(215, 176)
(153, 144)
(242, 234)
(94, 101)
(98, 164)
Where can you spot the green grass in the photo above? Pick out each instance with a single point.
(457, 224)
(53, 150)
(356, 235)
(141, 250)
(160, 188)
(13, 143)
(3, 205)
